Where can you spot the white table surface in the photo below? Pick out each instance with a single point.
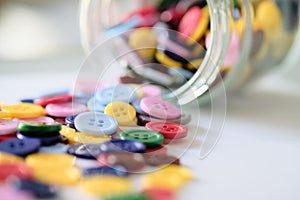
(257, 156)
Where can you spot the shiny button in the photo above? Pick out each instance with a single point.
(40, 160)
(169, 130)
(43, 101)
(65, 109)
(20, 170)
(124, 113)
(23, 110)
(20, 147)
(46, 120)
(97, 124)
(117, 145)
(39, 129)
(149, 138)
(7, 127)
(115, 170)
(6, 158)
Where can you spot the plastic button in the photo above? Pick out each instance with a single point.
(169, 130)
(23, 110)
(65, 109)
(69, 120)
(6, 158)
(159, 108)
(45, 141)
(20, 147)
(160, 159)
(129, 197)
(149, 138)
(117, 145)
(124, 113)
(115, 170)
(19, 170)
(41, 160)
(47, 120)
(156, 193)
(88, 151)
(131, 161)
(97, 124)
(53, 99)
(39, 129)
(8, 127)
(120, 92)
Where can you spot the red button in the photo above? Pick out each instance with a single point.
(149, 16)
(159, 194)
(54, 99)
(7, 137)
(21, 171)
(161, 150)
(169, 130)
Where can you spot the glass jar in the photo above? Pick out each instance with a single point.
(241, 39)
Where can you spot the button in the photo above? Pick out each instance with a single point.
(47, 120)
(39, 190)
(136, 105)
(151, 91)
(24, 110)
(20, 147)
(9, 193)
(167, 61)
(115, 170)
(8, 127)
(157, 150)
(156, 193)
(194, 23)
(145, 48)
(69, 120)
(45, 141)
(148, 16)
(128, 197)
(95, 106)
(169, 130)
(19, 170)
(124, 113)
(6, 158)
(83, 163)
(53, 99)
(149, 138)
(160, 159)
(88, 151)
(65, 109)
(159, 108)
(41, 160)
(102, 185)
(117, 145)
(120, 92)
(133, 162)
(7, 137)
(89, 139)
(39, 129)
(96, 124)
(57, 148)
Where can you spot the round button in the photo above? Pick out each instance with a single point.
(88, 151)
(44, 160)
(157, 193)
(20, 147)
(120, 92)
(149, 138)
(97, 124)
(131, 161)
(65, 109)
(160, 159)
(47, 120)
(8, 127)
(124, 113)
(6, 158)
(117, 145)
(69, 120)
(23, 110)
(115, 170)
(159, 108)
(21, 171)
(45, 141)
(39, 129)
(90, 139)
(52, 99)
(10, 193)
(169, 130)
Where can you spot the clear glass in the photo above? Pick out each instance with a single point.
(266, 32)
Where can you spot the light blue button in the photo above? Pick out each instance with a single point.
(120, 92)
(92, 106)
(57, 148)
(96, 123)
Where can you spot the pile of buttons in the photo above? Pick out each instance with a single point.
(175, 35)
(54, 141)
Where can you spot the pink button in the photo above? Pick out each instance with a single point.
(65, 109)
(151, 91)
(158, 108)
(8, 127)
(9, 193)
(47, 120)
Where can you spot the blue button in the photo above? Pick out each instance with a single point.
(120, 92)
(20, 147)
(95, 123)
(93, 106)
(115, 170)
(136, 105)
(69, 120)
(57, 148)
(117, 145)
(88, 151)
(45, 141)
(37, 189)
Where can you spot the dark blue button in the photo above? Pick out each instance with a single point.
(88, 151)
(115, 170)
(45, 141)
(27, 100)
(20, 147)
(39, 190)
(69, 120)
(116, 145)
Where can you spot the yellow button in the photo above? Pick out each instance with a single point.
(105, 185)
(144, 40)
(57, 175)
(123, 112)
(165, 60)
(41, 160)
(4, 115)
(202, 26)
(6, 158)
(24, 110)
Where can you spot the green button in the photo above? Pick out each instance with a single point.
(39, 129)
(149, 138)
(128, 197)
